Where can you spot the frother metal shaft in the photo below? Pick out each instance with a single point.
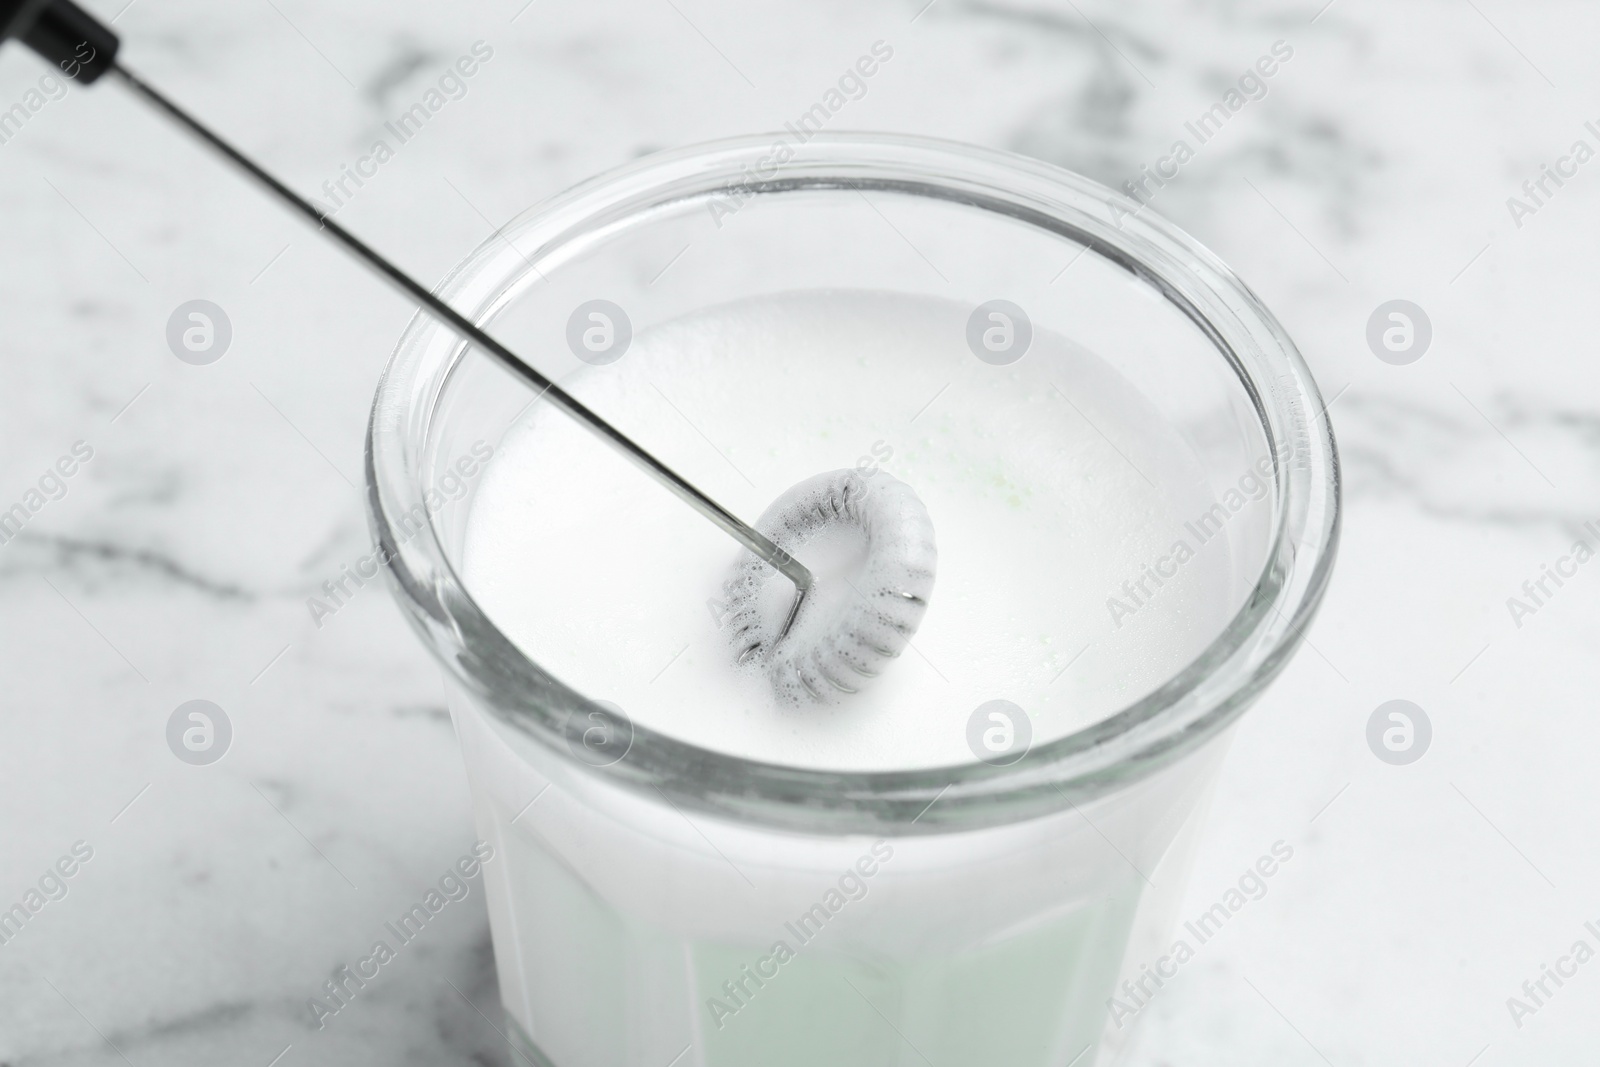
(735, 527)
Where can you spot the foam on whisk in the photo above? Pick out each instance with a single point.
(870, 547)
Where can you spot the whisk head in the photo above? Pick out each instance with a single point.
(870, 546)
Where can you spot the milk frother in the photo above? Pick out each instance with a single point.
(85, 49)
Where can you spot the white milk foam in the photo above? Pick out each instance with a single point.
(1049, 483)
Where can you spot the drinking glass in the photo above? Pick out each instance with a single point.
(661, 903)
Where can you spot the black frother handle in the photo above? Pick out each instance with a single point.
(80, 45)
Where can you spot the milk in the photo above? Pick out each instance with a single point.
(1056, 492)
(1052, 484)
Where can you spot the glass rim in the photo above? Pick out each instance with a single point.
(1191, 706)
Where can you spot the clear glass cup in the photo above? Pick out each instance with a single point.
(655, 902)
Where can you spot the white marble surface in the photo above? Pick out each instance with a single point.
(178, 562)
